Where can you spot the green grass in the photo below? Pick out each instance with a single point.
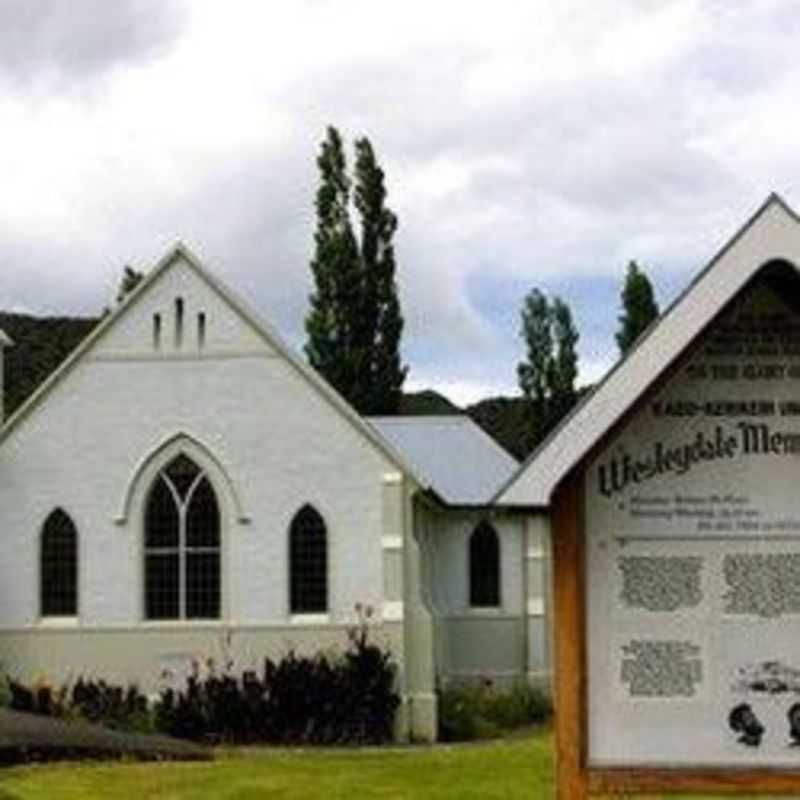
(517, 769)
(507, 770)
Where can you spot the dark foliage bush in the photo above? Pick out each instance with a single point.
(113, 706)
(484, 711)
(348, 699)
(36, 699)
(95, 701)
(297, 700)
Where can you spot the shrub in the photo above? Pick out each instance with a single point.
(95, 701)
(113, 706)
(319, 699)
(482, 711)
(5, 692)
(39, 698)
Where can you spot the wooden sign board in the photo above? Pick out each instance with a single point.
(676, 557)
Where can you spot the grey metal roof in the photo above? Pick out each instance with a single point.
(462, 464)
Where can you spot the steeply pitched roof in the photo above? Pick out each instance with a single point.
(182, 253)
(772, 233)
(461, 463)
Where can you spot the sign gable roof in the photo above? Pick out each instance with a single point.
(772, 233)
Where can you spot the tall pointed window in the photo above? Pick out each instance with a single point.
(182, 545)
(58, 578)
(308, 563)
(484, 567)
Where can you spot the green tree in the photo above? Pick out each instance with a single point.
(535, 374)
(131, 278)
(334, 303)
(355, 324)
(639, 307)
(565, 361)
(547, 376)
(381, 317)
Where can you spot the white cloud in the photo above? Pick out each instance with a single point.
(544, 142)
(52, 45)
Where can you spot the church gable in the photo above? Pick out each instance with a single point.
(178, 327)
(178, 314)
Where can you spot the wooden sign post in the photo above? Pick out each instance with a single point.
(676, 567)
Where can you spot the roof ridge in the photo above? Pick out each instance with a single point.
(400, 418)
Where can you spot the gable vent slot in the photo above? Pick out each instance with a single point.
(178, 321)
(201, 329)
(156, 331)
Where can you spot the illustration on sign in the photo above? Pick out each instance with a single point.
(767, 677)
(745, 723)
(794, 724)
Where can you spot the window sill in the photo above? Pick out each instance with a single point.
(59, 622)
(485, 611)
(184, 623)
(309, 619)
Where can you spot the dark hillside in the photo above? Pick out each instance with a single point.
(40, 345)
(425, 402)
(505, 420)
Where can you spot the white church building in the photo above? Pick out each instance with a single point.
(183, 486)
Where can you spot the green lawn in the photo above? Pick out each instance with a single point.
(507, 770)
(498, 771)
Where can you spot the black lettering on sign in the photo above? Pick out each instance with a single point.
(661, 669)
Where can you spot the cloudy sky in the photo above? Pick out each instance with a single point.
(526, 144)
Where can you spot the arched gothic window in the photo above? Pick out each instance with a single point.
(182, 545)
(308, 563)
(484, 567)
(58, 571)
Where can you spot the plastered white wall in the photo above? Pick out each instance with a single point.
(480, 643)
(2, 382)
(280, 443)
(449, 546)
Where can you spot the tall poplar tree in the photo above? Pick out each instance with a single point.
(381, 316)
(354, 325)
(547, 376)
(535, 375)
(565, 361)
(335, 301)
(639, 307)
